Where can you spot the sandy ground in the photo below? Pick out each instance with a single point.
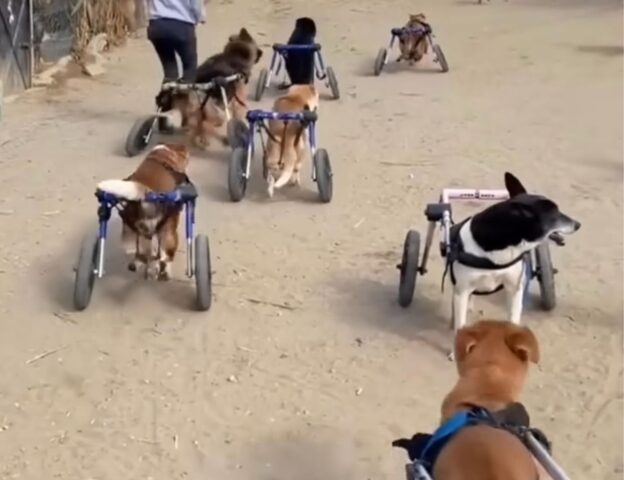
(139, 386)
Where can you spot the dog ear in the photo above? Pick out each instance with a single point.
(513, 185)
(466, 340)
(259, 53)
(244, 35)
(523, 343)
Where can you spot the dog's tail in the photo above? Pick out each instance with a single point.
(291, 159)
(128, 189)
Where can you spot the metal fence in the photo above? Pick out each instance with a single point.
(15, 54)
(52, 30)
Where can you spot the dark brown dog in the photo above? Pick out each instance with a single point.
(204, 119)
(492, 361)
(162, 170)
(413, 44)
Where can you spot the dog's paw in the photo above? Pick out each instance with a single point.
(270, 185)
(164, 273)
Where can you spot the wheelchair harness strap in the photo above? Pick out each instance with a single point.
(467, 418)
(458, 254)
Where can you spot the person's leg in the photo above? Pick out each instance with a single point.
(187, 50)
(162, 34)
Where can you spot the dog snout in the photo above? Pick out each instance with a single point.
(568, 225)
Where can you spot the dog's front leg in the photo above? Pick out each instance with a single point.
(514, 299)
(461, 299)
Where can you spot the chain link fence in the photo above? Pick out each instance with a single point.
(62, 27)
(53, 30)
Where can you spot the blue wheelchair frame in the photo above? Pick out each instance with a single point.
(280, 50)
(256, 119)
(382, 58)
(186, 196)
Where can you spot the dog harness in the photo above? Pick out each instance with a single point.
(457, 253)
(179, 178)
(425, 448)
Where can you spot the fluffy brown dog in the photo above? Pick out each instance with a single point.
(286, 146)
(492, 362)
(162, 170)
(413, 45)
(204, 120)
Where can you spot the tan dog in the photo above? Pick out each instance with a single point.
(287, 143)
(162, 170)
(414, 45)
(492, 362)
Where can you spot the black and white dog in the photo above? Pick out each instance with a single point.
(488, 249)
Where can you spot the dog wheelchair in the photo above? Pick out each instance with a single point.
(426, 34)
(280, 52)
(416, 470)
(240, 161)
(91, 258)
(538, 262)
(142, 131)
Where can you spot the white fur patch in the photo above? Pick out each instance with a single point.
(126, 189)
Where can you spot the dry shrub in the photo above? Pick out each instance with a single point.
(92, 17)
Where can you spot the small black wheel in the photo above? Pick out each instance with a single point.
(237, 132)
(140, 135)
(545, 276)
(440, 58)
(203, 273)
(85, 272)
(324, 176)
(380, 61)
(237, 182)
(261, 85)
(333, 83)
(409, 268)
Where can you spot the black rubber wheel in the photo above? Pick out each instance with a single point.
(324, 176)
(85, 272)
(237, 183)
(237, 132)
(437, 50)
(137, 138)
(380, 61)
(261, 85)
(545, 276)
(409, 268)
(203, 273)
(333, 83)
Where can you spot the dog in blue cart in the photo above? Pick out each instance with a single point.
(485, 433)
(287, 143)
(162, 170)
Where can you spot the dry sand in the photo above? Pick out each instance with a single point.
(137, 386)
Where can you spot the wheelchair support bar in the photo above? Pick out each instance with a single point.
(185, 193)
(216, 82)
(542, 456)
(283, 47)
(449, 194)
(256, 115)
(402, 30)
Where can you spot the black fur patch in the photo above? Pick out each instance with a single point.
(300, 63)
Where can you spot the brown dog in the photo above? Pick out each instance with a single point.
(413, 44)
(204, 119)
(286, 146)
(492, 362)
(162, 170)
